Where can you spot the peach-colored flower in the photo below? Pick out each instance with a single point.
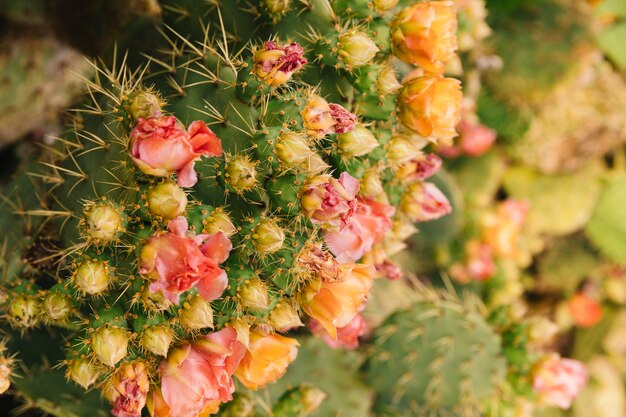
(320, 264)
(585, 310)
(366, 226)
(424, 202)
(501, 230)
(266, 360)
(128, 388)
(274, 64)
(160, 146)
(431, 106)
(198, 374)
(334, 304)
(321, 118)
(347, 336)
(328, 201)
(425, 34)
(558, 381)
(176, 262)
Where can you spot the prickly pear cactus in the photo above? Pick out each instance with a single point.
(259, 169)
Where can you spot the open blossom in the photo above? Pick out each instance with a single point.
(347, 336)
(501, 230)
(424, 202)
(199, 374)
(266, 359)
(328, 201)
(321, 118)
(558, 381)
(479, 264)
(160, 146)
(320, 264)
(366, 226)
(344, 120)
(335, 304)
(274, 64)
(584, 309)
(176, 262)
(128, 389)
(425, 34)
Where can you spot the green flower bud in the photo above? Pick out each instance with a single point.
(219, 221)
(277, 6)
(103, 222)
(144, 105)
(167, 200)
(285, 317)
(356, 48)
(157, 339)
(241, 173)
(83, 372)
(92, 277)
(253, 295)
(292, 149)
(357, 142)
(110, 344)
(196, 314)
(268, 236)
(23, 311)
(57, 307)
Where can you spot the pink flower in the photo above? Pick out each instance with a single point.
(274, 64)
(389, 269)
(321, 118)
(480, 264)
(347, 336)
(344, 120)
(128, 389)
(558, 381)
(474, 138)
(160, 146)
(328, 201)
(197, 374)
(175, 262)
(365, 227)
(424, 202)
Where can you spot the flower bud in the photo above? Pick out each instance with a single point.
(371, 185)
(356, 48)
(431, 106)
(285, 317)
(358, 142)
(157, 339)
(424, 34)
(316, 165)
(219, 221)
(292, 148)
(92, 277)
(384, 5)
(402, 229)
(23, 311)
(402, 149)
(144, 105)
(104, 222)
(83, 372)
(155, 301)
(316, 117)
(196, 314)
(242, 327)
(277, 6)
(268, 236)
(275, 64)
(424, 202)
(57, 307)
(253, 295)
(241, 173)
(110, 344)
(328, 201)
(387, 81)
(167, 200)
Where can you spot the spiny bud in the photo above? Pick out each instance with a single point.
(285, 317)
(167, 200)
(384, 5)
(110, 344)
(268, 236)
(292, 148)
(196, 314)
(277, 6)
(104, 222)
(57, 307)
(253, 295)
(219, 221)
(83, 372)
(93, 277)
(356, 48)
(157, 339)
(357, 142)
(144, 105)
(241, 173)
(371, 185)
(387, 81)
(23, 311)
(402, 149)
(312, 398)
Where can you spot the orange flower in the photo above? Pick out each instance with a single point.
(585, 311)
(266, 360)
(334, 304)
(425, 34)
(431, 106)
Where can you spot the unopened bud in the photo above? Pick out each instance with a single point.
(292, 148)
(219, 221)
(57, 307)
(157, 339)
(387, 81)
(23, 311)
(285, 317)
(356, 48)
(110, 344)
(144, 105)
(371, 185)
(384, 5)
(268, 236)
(196, 314)
(253, 294)
(312, 398)
(241, 173)
(104, 222)
(93, 277)
(154, 301)
(402, 149)
(83, 372)
(167, 200)
(277, 6)
(357, 142)
(315, 165)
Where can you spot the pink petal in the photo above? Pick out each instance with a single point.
(212, 287)
(187, 176)
(179, 226)
(350, 184)
(217, 247)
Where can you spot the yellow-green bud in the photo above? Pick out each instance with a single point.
(285, 317)
(268, 236)
(242, 327)
(83, 372)
(371, 185)
(315, 165)
(196, 314)
(57, 307)
(402, 149)
(253, 294)
(167, 200)
(292, 148)
(312, 398)
(103, 222)
(157, 339)
(93, 277)
(356, 48)
(110, 344)
(155, 301)
(144, 105)
(384, 5)
(387, 82)
(23, 311)
(277, 6)
(358, 142)
(241, 173)
(219, 221)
